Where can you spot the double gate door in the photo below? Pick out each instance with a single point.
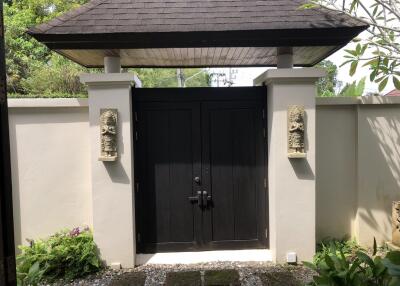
(200, 169)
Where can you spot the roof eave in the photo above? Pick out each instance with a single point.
(335, 36)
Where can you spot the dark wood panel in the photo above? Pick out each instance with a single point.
(201, 94)
(216, 134)
(244, 173)
(234, 178)
(221, 174)
(168, 153)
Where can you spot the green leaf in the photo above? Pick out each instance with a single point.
(394, 257)
(396, 82)
(353, 68)
(383, 84)
(375, 247)
(308, 6)
(351, 52)
(34, 268)
(310, 265)
(372, 62)
(365, 258)
(373, 75)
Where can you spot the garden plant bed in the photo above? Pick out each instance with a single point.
(217, 273)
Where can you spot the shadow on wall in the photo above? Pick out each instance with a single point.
(358, 166)
(15, 183)
(336, 180)
(379, 170)
(302, 169)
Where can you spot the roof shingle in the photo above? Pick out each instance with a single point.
(141, 16)
(188, 33)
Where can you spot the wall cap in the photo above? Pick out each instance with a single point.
(289, 76)
(110, 78)
(47, 102)
(364, 100)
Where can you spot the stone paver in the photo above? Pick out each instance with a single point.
(203, 274)
(229, 277)
(184, 278)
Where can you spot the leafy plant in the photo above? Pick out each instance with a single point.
(65, 255)
(380, 49)
(329, 246)
(354, 89)
(335, 267)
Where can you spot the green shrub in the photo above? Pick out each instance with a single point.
(336, 268)
(329, 245)
(354, 89)
(65, 255)
(47, 95)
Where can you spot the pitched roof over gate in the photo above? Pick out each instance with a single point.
(177, 32)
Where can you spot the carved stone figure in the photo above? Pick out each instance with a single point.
(296, 129)
(396, 223)
(108, 134)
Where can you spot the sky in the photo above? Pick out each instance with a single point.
(245, 76)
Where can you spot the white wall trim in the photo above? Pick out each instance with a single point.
(290, 76)
(256, 255)
(110, 78)
(364, 100)
(47, 102)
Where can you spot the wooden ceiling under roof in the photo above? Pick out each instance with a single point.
(197, 33)
(197, 57)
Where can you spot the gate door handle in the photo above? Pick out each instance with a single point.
(197, 180)
(206, 198)
(197, 199)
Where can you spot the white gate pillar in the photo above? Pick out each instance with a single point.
(112, 182)
(291, 181)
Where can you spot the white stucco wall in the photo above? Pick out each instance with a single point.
(50, 156)
(357, 173)
(291, 182)
(358, 167)
(336, 179)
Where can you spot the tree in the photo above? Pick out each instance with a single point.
(380, 51)
(326, 86)
(33, 69)
(153, 77)
(23, 53)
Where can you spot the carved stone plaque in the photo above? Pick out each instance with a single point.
(108, 134)
(296, 130)
(396, 223)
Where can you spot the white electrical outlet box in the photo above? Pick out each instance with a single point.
(115, 266)
(291, 257)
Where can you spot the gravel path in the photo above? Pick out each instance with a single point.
(250, 274)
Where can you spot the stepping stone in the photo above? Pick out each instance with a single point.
(228, 277)
(279, 279)
(184, 278)
(130, 279)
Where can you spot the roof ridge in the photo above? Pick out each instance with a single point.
(331, 12)
(44, 27)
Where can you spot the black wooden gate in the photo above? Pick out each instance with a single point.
(200, 169)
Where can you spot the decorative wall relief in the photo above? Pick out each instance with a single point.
(296, 130)
(396, 223)
(108, 134)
